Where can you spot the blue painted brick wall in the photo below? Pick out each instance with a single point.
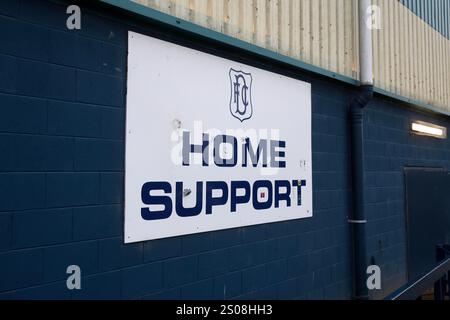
(62, 107)
(62, 136)
(390, 147)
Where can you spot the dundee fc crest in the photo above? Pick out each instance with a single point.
(240, 95)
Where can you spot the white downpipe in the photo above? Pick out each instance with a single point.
(365, 42)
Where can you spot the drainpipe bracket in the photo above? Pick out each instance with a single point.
(357, 221)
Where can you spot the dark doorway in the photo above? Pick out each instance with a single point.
(427, 216)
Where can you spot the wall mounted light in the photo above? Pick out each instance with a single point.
(428, 129)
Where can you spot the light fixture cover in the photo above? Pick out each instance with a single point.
(428, 129)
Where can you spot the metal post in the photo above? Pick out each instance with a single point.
(440, 285)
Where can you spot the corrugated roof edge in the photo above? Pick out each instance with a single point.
(190, 27)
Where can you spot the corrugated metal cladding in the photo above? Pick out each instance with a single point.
(411, 50)
(411, 58)
(435, 12)
(320, 32)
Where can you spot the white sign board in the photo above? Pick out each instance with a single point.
(211, 143)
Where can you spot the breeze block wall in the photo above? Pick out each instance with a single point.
(62, 125)
(389, 148)
(62, 143)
